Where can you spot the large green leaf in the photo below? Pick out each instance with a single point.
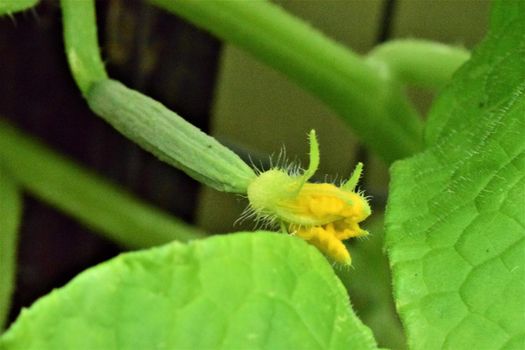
(241, 291)
(456, 216)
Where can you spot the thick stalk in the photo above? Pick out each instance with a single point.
(82, 194)
(363, 95)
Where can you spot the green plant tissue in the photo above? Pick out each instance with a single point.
(456, 213)
(241, 291)
(169, 137)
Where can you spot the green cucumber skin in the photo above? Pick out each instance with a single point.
(169, 137)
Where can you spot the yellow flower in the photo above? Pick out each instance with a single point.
(322, 214)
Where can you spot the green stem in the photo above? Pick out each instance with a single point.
(10, 215)
(81, 194)
(360, 93)
(8, 7)
(422, 63)
(80, 36)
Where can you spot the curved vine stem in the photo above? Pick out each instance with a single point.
(422, 63)
(80, 36)
(374, 105)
